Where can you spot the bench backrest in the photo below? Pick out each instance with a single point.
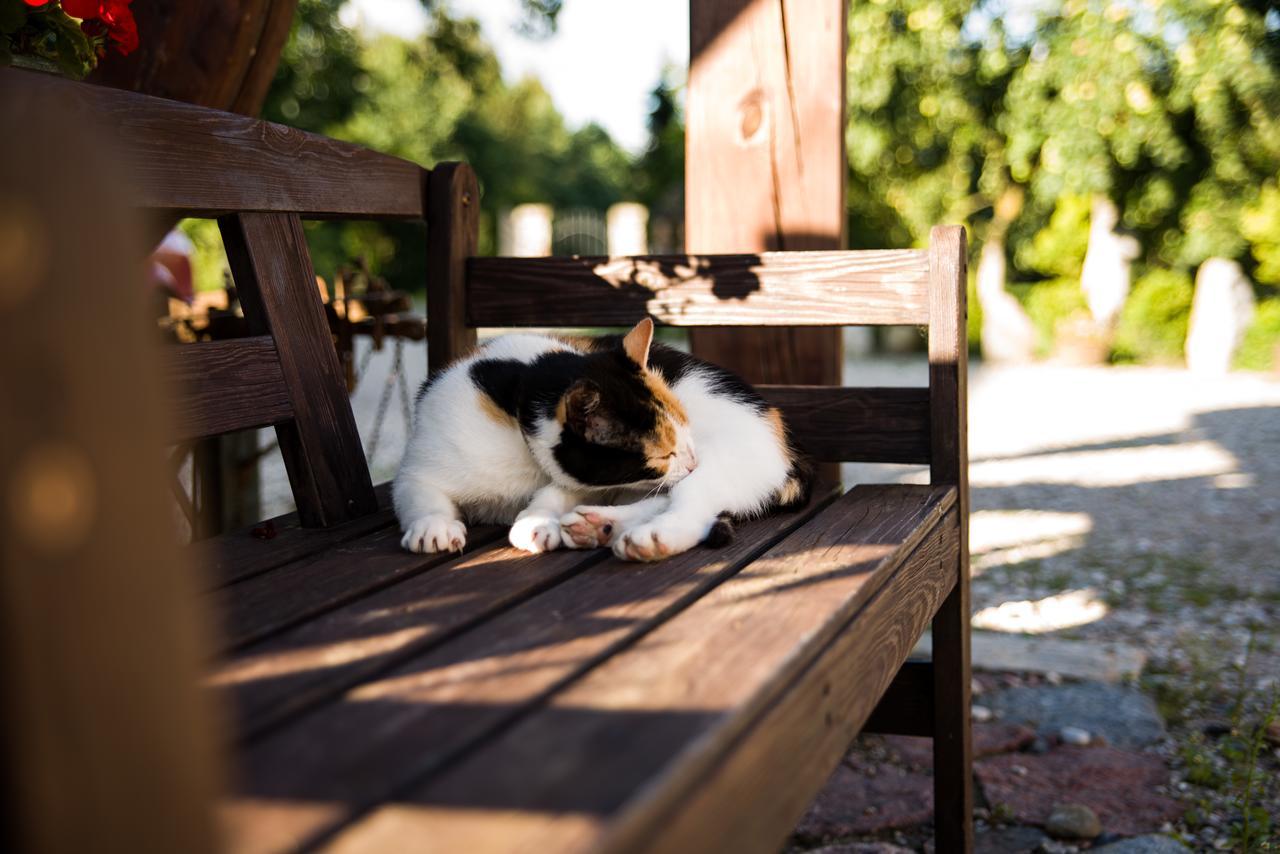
(840, 288)
(260, 180)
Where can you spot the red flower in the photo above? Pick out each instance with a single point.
(83, 9)
(36, 2)
(120, 25)
(109, 18)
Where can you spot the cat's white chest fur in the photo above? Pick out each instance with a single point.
(464, 443)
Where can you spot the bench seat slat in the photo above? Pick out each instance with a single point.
(764, 289)
(238, 555)
(387, 733)
(319, 659)
(613, 751)
(304, 589)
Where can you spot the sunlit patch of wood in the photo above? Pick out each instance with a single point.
(53, 498)
(24, 252)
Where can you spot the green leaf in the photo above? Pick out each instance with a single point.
(13, 15)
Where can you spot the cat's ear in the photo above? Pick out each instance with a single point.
(637, 341)
(581, 402)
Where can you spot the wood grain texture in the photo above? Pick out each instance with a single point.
(391, 732)
(907, 705)
(200, 162)
(453, 231)
(765, 289)
(215, 53)
(237, 555)
(949, 464)
(802, 737)
(224, 386)
(272, 681)
(288, 595)
(106, 741)
(883, 425)
(277, 288)
(765, 159)
(615, 750)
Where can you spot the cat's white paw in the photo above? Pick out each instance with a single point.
(588, 527)
(536, 533)
(434, 534)
(663, 537)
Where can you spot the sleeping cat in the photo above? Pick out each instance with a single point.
(579, 443)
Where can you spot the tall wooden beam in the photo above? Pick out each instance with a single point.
(765, 160)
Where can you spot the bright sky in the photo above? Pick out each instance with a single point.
(599, 66)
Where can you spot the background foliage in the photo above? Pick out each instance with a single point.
(1007, 115)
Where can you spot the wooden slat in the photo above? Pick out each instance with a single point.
(224, 386)
(453, 231)
(873, 425)
(202, 162)
(295, 592)
(949, 464)
(385, 734)
(251, 551)
(802, 737)
(277, 288)
(907, 705)
(318, 660)
(637, 735)
(765, 289)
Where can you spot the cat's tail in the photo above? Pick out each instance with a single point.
(721, 533)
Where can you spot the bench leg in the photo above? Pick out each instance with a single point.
(952, 747)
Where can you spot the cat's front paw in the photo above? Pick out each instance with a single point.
(587, 527)
(536, 533)
(663, 537)
(434, 534)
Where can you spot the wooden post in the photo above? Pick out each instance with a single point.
(949, 464)
(765, 160)
(107, 741)
(453, 228)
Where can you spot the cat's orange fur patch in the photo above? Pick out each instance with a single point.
(495, 412)
(790, 491)
(667, 400)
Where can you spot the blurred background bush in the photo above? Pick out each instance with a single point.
(1141, 133)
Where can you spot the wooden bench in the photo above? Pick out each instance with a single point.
(387, 701)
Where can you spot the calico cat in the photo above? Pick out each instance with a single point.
(578, 443)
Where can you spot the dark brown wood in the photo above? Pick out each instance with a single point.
(765, 289)
(949, 464)
(272, 681)
(880, 425)
(907, 705)
(199, 162)
(225, 386)
(765, 159)
(105, 739)
(217, 53)
(277, 288)
(431, 708)
(803, 736)
(453, 230)
(643, 732)
(288, 595)
(263, 546)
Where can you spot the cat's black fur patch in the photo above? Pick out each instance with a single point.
(500, 379)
